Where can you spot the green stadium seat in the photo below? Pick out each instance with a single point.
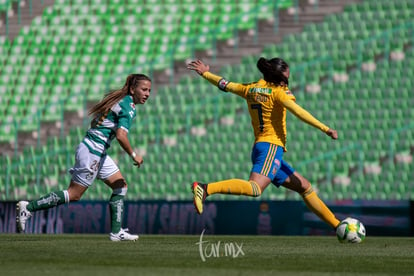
(77, 65)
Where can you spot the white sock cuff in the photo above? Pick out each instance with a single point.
(66, 194)
(120, 191)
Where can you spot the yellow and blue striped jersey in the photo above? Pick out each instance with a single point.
(267, 104)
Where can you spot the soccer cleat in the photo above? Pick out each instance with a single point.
(123, 235)
(22, 215)
(200, 194)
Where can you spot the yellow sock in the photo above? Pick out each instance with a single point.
(316, 205)
(234, 187)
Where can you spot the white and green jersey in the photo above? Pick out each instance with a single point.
(99, 137)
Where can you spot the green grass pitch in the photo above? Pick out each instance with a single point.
(223, 255)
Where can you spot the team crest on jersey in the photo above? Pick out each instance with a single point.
(288, 92)
(276, 166)
(277, 163)
(222, 84)
(132, 105)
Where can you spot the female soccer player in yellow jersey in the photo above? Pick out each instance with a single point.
(267, 101)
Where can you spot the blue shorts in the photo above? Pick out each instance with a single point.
(267, 160)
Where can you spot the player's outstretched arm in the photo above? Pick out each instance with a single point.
(224, 85)
(305, 116)
(204, 70)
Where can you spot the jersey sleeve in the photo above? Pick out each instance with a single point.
(225, 85)
(126, 114)
(304, 115)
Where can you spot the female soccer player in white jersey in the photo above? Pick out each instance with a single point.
(112, 119)
(267, 101)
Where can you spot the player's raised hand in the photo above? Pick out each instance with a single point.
(198, 66)
(137, 160)
(332, 133)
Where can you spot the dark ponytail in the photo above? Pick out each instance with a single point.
(273, 70)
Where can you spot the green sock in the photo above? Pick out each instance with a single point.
(48, 201)
(116, 205)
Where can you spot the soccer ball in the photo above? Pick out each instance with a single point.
(350, 230)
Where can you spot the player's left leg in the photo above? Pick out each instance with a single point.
(83, 174)
(298, 183)
(73, 193)
(25, 209)
(112, 177)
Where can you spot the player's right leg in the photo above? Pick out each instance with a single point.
(300, 184)
(123, 235)
(112, 177)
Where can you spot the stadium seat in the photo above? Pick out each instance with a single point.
(95, 55)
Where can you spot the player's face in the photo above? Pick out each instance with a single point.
(287, 73)
(141, 93)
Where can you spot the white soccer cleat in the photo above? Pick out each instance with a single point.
(22, 215)
(123, 235)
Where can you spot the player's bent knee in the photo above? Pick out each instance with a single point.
(307, 191)
(119, 187)
(120, 183)
(305, 185)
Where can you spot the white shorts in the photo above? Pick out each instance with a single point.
(89, 166)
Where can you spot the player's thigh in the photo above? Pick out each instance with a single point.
(266, 162)
(112, 176)
(283, 173)
(109, 172)
(86, 166)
